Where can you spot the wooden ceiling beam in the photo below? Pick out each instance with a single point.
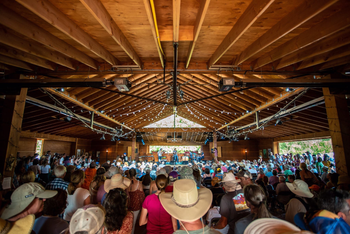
(25, 57)
(197, 28)
(150, 13)
(96, 8)
(87, 92)
(176, 19)
(23, 26)
(48, 12)
(304, 12)
(70, 99)
(14, 62)
(325, 45)
(97, 95)
(324, 29)
(325, 57)
(255, 9)
(33, 48)
(335, 63)
(177, 130)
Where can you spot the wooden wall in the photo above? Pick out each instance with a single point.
(26, 146)
(59, 147)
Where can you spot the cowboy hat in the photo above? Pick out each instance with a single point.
(272, 226)
(23, 196)
(300, 188)
(24, 225)
(117, 181)
(230, 177)
(186, 202)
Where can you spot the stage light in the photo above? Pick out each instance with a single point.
(103, 137)
(67, 119)
(182, 94)
(246, 137)
(279, 122)
(167, 94)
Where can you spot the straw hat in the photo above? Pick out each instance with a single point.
(272, 226)
(186, 202)
(300, 188)
(230, 177)
(117, 181)
(23, 226)
(23, 196)
(88, 219)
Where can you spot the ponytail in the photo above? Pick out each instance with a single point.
(75, 178)
(161, 182)
(263, 211)
(255, 195)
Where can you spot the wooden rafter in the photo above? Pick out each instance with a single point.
(14, 62)
(176, 19)
(100, 13)
(48, 12)
(304, 11)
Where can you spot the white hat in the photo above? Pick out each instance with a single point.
(272, 226)
(88, 219)
(300, 188)
(117, 181)
(186, 202)
(23, 196)
(230, 177)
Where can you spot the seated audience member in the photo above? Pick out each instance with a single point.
(273, 226)
(153, 214)
(269, 172)
(49, 222)
(261, 174)
(206, 174)
(118, 219)
(232, 206)
(219, 174)
(291, 178)
(337, 202)
(136, 196)
(301, 202)
(344, 182)
(89, 175)
(89, 219)
(333, 180)
(307, 176)
(188, 205)
(197, 175)
(96, 183)
(273, 180)
(77, 196)
(117, 181)
(69, 171)
(27, 199)
(58, 182)
(256, 201)
(27, 177)
(287, 172)
(324, 174)
(172, 178)
(245, 177)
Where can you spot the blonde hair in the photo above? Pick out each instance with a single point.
(75, 178)
(27, 177)
(59, 171)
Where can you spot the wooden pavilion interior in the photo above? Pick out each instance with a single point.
(284, 67)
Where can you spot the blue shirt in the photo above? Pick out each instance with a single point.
(269, 174)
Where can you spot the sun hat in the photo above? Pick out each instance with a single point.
(186, 202)
(300, 188)
(88, 219)
(23, 196)
(23, 226)
(230, 177)
(117, 181)
(186, 173)
(272, 226)
(245, 174)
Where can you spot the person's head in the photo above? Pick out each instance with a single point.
(326, 157)
(282, 179)
(303, 166)
(274, 172)
(92, 165)
(88, 219)
(132, 173)
(57, 204)
(230, 182)
(218, 170)
(115, 204)
(206, 171)
(45, 162)
(146, 180)
(77, 179)
(27, 177)
(111, 172)
(161, 182)
(60, 171)
(300, 188)
(291, 178)
(35, 161)
(336, 201)
(333, 177)
(256, 201)
(100, 175)
(27, 199)
(325, 169)
(117, 181)
(319, 159)
(245, 177)
(173, 176)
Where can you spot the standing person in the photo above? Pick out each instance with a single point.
(89, 175)
(45, 170)
(35, 168)
(153, 213)
(96, 183)
(188, 205)
(233, 205)
(136, 195)
(125, 158)
(77, 196)
(58, 182)
(118, 219)
(160, 154)
(175, 157)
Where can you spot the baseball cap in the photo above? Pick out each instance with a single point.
(23, 196)
(88, 219)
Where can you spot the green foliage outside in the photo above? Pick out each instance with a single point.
(323, 146)
(180, 149)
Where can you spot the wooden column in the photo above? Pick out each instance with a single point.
(11, 127)
(133, 148)
(339, 128)
(276, 147)
(215, 144)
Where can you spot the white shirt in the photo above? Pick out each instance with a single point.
(45, 170)
(75, 202)
(61, 160)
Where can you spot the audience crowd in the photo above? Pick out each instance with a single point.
(279, 194)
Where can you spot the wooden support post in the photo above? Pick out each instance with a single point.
(215, 145)
(76, 145)
(339, 127)
(276, 147)
(11, 127)
(133, 148)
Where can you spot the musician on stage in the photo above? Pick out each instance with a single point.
(201, 157)
(124, 158)
(175, 157)
(160, 154)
